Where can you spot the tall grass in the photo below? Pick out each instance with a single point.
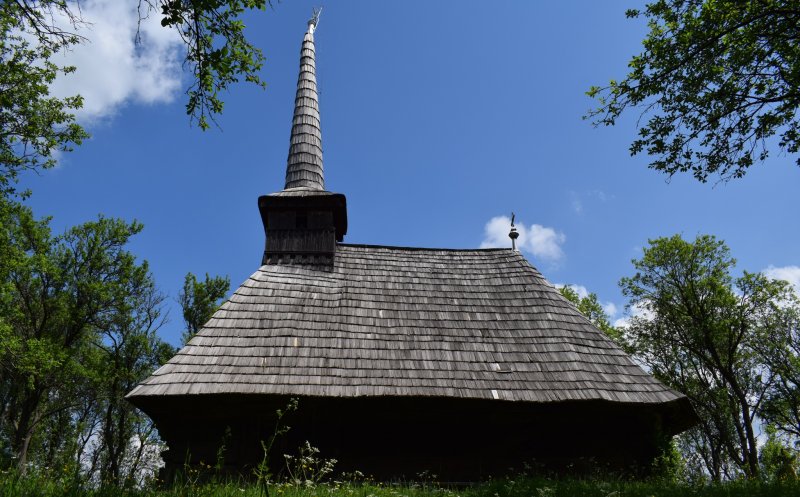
(37, 486)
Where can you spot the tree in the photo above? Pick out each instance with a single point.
(217, 52)
(781, 352)
(129, 350)
(778, 462)
(216, 49)
(701, 332)
(77, 315)
(35, 125)
(199, 300)
(590, 307)
(715, 81)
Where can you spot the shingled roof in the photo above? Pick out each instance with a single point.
(391, 321)
(406, 359)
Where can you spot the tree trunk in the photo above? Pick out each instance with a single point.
(111, 467)
(28, 419)
(752, 452)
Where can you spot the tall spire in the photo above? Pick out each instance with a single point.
(303, 222)
(304, 165)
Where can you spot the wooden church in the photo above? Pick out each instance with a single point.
(462, 363)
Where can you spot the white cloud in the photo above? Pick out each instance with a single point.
(541, 241)
(787, 273)
(635, 311)
(581, 290)
(610, 308)
(112, 69)
(545, 242)
(496, 232)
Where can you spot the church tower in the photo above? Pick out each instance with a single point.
(304, 221)
(457, 362)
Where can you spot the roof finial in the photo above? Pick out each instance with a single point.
(314, 21)
(513, 234)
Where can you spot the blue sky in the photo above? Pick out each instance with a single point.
(438, 118)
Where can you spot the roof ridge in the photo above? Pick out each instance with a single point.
(439, 249)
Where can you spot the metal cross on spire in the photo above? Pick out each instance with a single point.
(314, 21)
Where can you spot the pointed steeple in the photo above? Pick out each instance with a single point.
(303, 222)
(304, 165)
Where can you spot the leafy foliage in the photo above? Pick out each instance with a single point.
(263, 472)
(78, 317)
(127, 351)
(778, 462)
(781, 350)
(703, 333)
(590, 307)
(217, 50)
(307, 468)
(33, 125)
(199, 300)
(716, 80)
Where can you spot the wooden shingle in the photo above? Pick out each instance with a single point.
(394, 321)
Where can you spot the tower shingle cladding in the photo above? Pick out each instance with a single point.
(304, 165)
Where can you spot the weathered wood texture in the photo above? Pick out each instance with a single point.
(304, 165)
(400, 437)
(401, 322)
(302, 229)
(301, 241)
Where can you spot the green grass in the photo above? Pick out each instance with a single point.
(521, 487)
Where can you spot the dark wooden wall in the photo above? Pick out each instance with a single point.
(398, 438)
